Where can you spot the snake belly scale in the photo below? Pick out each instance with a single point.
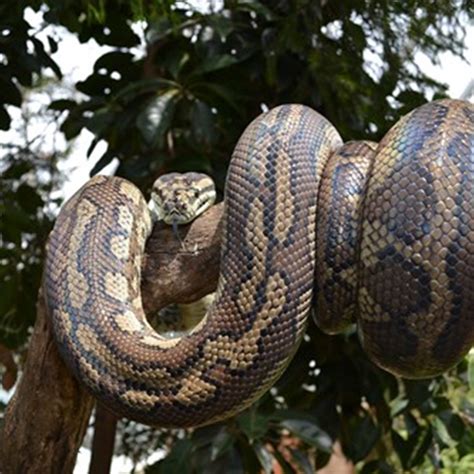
(264, 294)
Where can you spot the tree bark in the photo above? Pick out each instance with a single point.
(105, 425)
(46, 419)
(183, 269)
(48, 415)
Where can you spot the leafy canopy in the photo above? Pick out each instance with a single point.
(174, 91)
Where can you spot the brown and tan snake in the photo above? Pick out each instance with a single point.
(392, 232)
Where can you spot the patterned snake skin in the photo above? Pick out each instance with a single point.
(339, 211)
(394, 243)
(395, 248)
(263, 297)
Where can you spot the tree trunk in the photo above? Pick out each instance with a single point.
(103, 443)
(46, 419)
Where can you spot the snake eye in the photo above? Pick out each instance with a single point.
(196, 193)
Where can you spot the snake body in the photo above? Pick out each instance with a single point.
(416, 263)
(393, 251)
(264, 293)
(339, 214)
(397, 248)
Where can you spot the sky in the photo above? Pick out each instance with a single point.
(452, 70)
(76, 60)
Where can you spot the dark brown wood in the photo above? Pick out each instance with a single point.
(105, 425)
(46, 419)
(11, 370)
(48, 415)
(183, 268)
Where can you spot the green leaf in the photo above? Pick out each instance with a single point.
(9, 92)
(253, 424)
(94, 142)
(322, 459)
(177, 461)
(114, 61)
(62, 104)
(470, 371)
(155, 120)
(221, 443)
(222, 25)
(28, 198)
(102, 120)
(397, 405)
(144, 86)
(72, 126)
(257, 7)
(137, 167)
(265, 457)
(17, 169)
(417, 391)
(216, 62)
(53, 44)
(177, 62)
(45, 59)
(441, 433)
(100, 85)
(116, 31)
(309, 432)
(302, 461)
(229, 462)
(421, 444)
(357, 36)
(202, 121)
(361, 438)
(16, 217)
(377, 466)
(228, 95)
(453, 423)
(5, 119)
(412, 450)
(103, 161)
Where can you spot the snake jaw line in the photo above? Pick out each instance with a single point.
(155, 212)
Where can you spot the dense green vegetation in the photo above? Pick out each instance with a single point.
(177, 98)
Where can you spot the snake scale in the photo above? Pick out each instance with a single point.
(378, 234)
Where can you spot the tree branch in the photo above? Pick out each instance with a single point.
(105, 425)
(183, 271)
(48, 415)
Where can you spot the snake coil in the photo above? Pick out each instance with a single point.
(390, 237)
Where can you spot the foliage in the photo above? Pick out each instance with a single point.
(23, 58)
(177, 99)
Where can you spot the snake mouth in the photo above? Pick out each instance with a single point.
(175, 217)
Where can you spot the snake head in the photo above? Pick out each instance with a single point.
(178, 198)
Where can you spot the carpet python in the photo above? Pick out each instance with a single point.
(385, 240)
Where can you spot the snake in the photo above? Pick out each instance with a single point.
(392, 232)
(397, 256)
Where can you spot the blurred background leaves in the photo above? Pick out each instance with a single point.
(177, 84)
